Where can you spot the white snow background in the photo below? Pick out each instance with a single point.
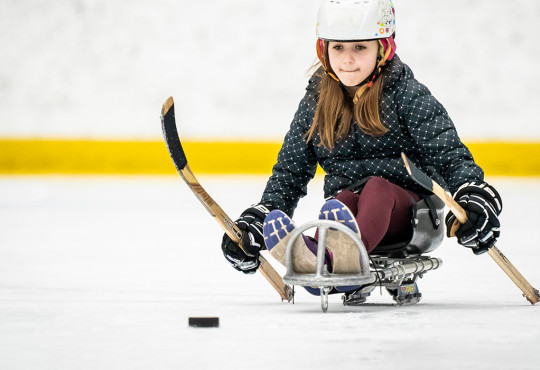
(238, 68)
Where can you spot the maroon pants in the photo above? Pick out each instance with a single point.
(383, 212)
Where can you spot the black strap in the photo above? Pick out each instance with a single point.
(432, 212)
(414, 208)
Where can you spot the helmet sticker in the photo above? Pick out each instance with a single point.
(386, 18)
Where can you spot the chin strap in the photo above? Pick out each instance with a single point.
(387, 50)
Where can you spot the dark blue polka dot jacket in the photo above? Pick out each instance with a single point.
(418, 125)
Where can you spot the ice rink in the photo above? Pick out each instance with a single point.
(103, 273)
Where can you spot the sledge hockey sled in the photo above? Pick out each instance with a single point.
(395, 266)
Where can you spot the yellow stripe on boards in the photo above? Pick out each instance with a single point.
(507, 158)
(19, 156)
(133, 157)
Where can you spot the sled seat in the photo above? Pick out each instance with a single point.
(427, 233)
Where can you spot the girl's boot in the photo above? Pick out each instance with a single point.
(344, 250)
(277, 229)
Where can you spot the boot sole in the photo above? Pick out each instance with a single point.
(346, 256)
(279, 226)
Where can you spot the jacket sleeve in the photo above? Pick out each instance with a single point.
(434, 134)
(296, 164)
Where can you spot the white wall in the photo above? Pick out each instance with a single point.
(237, 68)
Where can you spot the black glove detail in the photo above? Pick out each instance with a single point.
(251, 223)
(483, 204)
(237, 258)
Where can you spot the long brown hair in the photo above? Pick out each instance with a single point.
(335, 111)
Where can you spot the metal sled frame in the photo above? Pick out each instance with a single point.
(388, 272)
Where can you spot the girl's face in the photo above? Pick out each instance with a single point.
(354, 61)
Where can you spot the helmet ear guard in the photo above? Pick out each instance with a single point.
(321, 53)
(388, 48)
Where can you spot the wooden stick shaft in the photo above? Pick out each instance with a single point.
(461, 217)
(528, 291)
(454, 206)
(234, 233)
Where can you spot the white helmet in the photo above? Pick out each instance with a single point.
(353, 20)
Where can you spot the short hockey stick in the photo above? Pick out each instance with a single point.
(170, 132)
(425, 181)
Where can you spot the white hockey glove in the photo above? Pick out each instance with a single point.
(483, 204)
(251, 223)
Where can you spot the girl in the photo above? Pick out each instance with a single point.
(362, 108)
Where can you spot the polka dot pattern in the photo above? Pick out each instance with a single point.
(418, 125)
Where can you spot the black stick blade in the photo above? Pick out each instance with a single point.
(170, 133)
(421, 178)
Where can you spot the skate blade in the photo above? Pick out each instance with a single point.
(407, 294)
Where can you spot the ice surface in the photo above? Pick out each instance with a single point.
(103, 273)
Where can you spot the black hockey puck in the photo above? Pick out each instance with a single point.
(204, 322)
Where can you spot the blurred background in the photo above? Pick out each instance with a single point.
(82, 81)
